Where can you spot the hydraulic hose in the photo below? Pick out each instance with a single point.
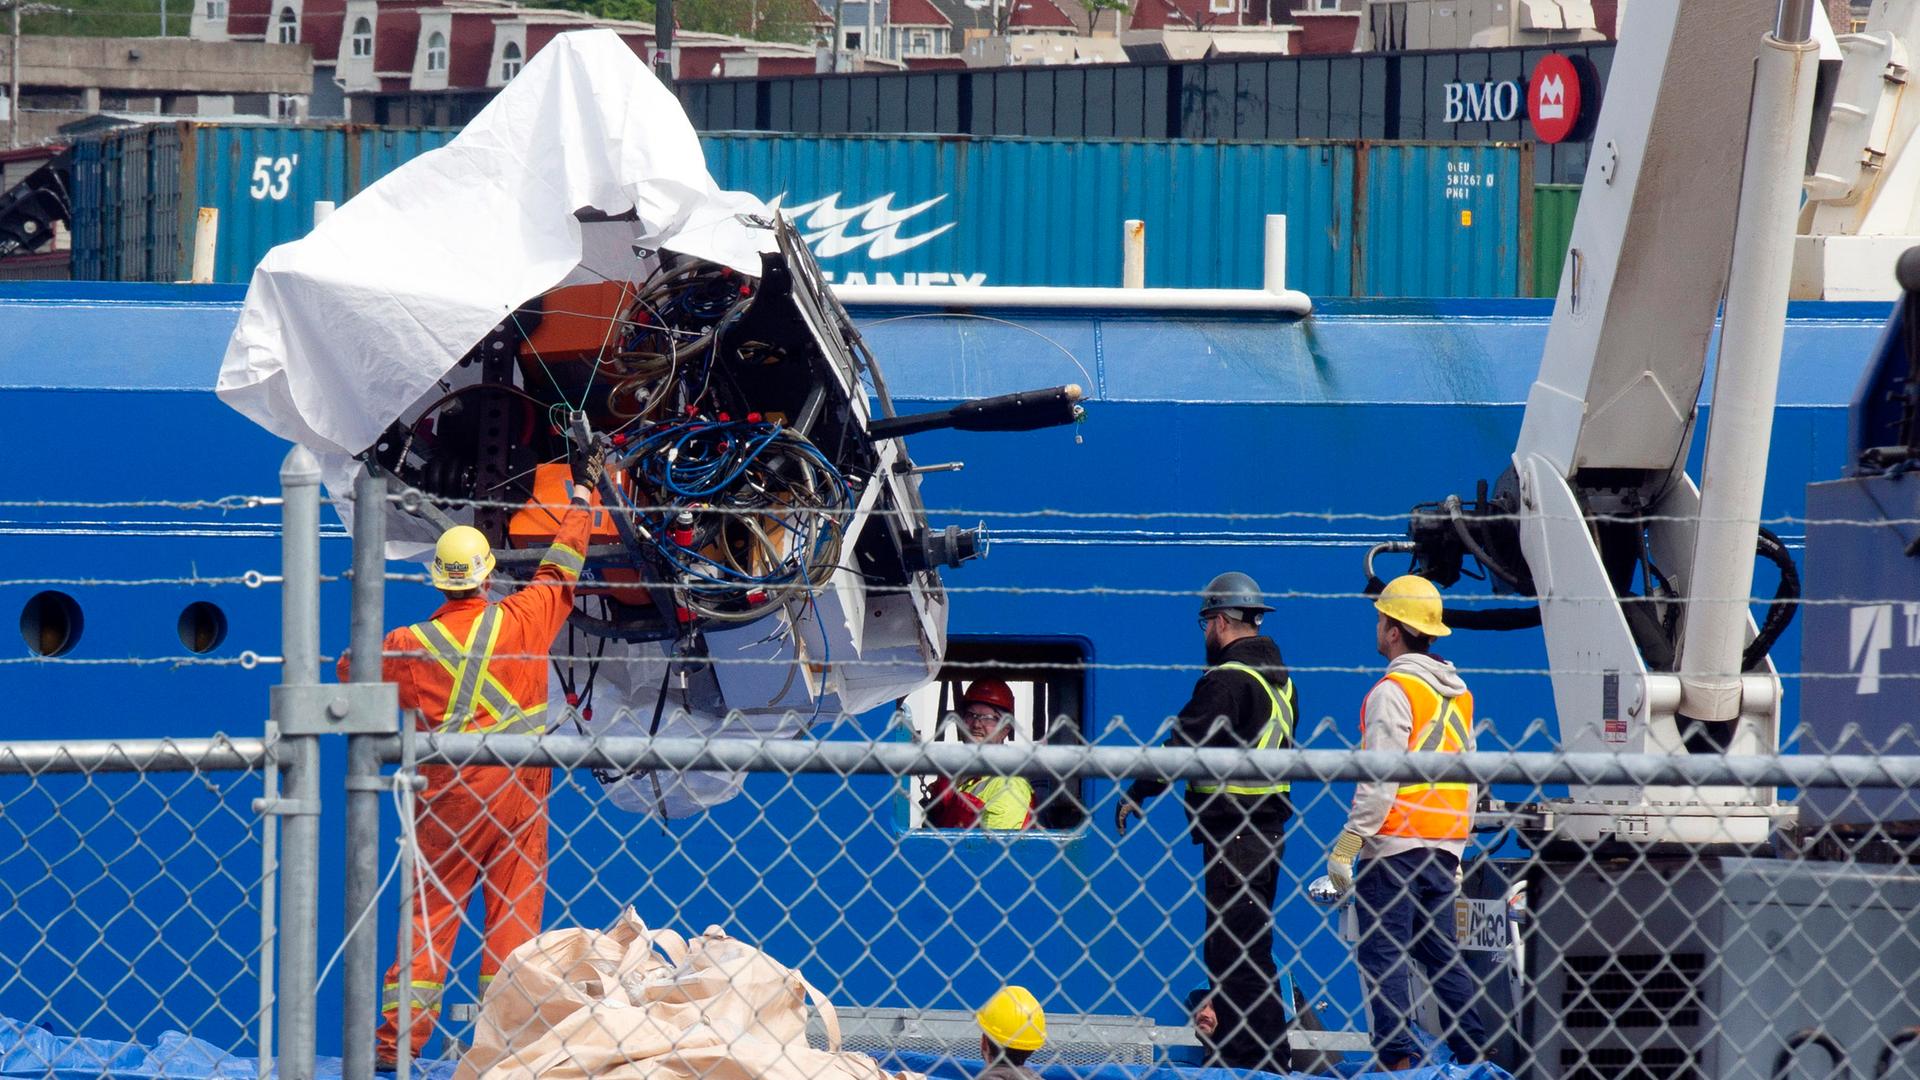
(1503, 618)
(1475, 618)
(1786, 600)
(1460, 529)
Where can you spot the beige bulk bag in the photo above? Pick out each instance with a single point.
(640, 1004)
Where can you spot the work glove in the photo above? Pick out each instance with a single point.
(1340, 860)
(1127, 809)
(588, 468)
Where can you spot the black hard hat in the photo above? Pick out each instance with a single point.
(1233, 591)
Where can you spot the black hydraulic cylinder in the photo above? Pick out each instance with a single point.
(1028, 410)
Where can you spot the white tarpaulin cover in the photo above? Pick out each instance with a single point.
(349, 325)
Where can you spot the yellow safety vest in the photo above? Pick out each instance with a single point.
(1006, 802)
(1279, 728)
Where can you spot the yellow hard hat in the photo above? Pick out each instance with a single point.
(1013, 1019)
(1412, 599)
(461, 560)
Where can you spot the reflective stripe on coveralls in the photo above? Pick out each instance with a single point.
(1279, 728)
(471, 680)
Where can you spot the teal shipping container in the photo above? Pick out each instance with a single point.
(1368, 219)
(137, 190)
(1451, 220)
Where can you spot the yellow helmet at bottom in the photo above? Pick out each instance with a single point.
(1013, 1019)
(1412, 599)
(461, 560)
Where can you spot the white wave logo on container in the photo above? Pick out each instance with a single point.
(875, 227)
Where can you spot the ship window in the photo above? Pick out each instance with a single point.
(362, 38)
(1048, 680)
(436, 51)
(289, 29)
(509, 61)
(202, 627)
(51, 624)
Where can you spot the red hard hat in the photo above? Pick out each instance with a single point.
(990, 692)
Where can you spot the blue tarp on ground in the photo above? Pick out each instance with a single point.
(32, 1051)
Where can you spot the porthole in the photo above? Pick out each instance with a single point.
(51, 624)
(202, 627)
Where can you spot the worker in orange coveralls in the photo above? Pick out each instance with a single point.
(479, 667)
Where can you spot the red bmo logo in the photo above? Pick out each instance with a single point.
(1553, 98)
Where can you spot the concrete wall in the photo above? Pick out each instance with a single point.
(161, 66)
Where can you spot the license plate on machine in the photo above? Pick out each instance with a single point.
(1478, 925)
(1481, 925)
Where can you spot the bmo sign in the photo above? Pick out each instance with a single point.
(1552, 96)
(1472, 103)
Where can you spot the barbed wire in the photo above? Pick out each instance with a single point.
(224, 502)
(247, 660)
(412, 498)
(250, 660)
(252, 579)
(1107, 665)
(1502, 601)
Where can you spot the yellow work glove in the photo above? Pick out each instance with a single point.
(1340, 860)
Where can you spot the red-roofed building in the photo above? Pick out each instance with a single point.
(1325, 31)
(1039, 17)
(438, 62)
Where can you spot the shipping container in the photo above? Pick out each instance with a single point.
(1049, 212)
(127, 208)
(375, 152)
(1368, 218)
(1449, 219)
(1413, 96)
(1444, 221)
(1553, 209)
(264, 180)
(137, 190)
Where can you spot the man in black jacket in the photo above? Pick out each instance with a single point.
(1246, 700)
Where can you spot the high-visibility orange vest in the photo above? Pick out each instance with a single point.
(1432, 811)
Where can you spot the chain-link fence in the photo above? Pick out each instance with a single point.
(1545, 956)
(1610, 914)
(134, 875)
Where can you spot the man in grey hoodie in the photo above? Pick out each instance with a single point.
(1410, 837)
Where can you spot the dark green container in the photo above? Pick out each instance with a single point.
(1553, 210)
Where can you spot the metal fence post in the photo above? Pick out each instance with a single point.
(299, 757)
(269, 879)
(360, 963)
